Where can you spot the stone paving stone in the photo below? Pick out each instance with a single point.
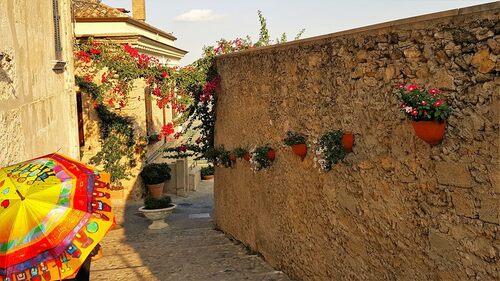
(188, 250)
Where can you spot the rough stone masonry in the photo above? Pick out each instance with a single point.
(397, 208)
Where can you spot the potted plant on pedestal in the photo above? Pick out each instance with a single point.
(157, 210)
(207, 173)
(297, 142)
(426, 110)
(154, 176)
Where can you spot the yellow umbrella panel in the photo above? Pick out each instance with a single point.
(53, 212)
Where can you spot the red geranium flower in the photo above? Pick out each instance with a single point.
(438, 103)
(434, 91)
(164, 74)
(411, 87)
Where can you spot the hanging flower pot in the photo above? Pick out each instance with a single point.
(300, 150)
(271, 154)
(262, 157)
(347, 141)
(298, 143)
(426, 110)
(232, 157)
(431, 132)
(247, 156)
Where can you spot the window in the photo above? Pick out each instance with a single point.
(59, 63)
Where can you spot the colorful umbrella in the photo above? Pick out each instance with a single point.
(53, 212)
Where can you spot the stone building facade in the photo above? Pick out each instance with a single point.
(396, 208)
(108, 24)
(37, 98)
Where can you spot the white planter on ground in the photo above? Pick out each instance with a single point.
(158, 216)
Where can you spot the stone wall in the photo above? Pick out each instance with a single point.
(397, 208)
(37, 104)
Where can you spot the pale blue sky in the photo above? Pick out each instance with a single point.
(229, 19)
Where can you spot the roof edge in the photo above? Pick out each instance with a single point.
(132, 21)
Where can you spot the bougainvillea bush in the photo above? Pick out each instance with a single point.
(420, 104)
(107, 71)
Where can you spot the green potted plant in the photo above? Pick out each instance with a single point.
(157, 210)
(330, 149)
(154, 138)
(154, 176)
(262, 157)
(240, 152)
(297, 142)
(207, 173)
(426, 110)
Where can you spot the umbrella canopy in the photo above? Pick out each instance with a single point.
(53, 212)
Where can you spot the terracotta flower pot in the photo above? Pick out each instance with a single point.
(271, 154)
(247, 156)
(232, 157)
(431, 132)
(348, 141)
(300, 150)
(156, 190)
(209, 177)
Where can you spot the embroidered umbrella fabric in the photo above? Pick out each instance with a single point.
(53, 212)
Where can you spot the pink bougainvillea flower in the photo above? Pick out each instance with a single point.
(434, 91)
(403, 105)
(88, 77)
(411, 87)
(438, 103)
(95, 51)
(424, 102)
(183, 148)
(414, 113)
(131, 50)
(168, 129)
(83, 56)
(157, 92)
(401, 85)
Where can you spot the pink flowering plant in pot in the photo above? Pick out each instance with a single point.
(426, 110)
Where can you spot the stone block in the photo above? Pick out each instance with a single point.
(463, 203)
(171, 185)
(482, 61)
(490, 210)
(442, 245)
(194, 178)
(182, 177)
(454, 174)
(346, 200)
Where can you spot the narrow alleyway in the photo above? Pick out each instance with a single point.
(189, 250)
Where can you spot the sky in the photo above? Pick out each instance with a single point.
(199, 23)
